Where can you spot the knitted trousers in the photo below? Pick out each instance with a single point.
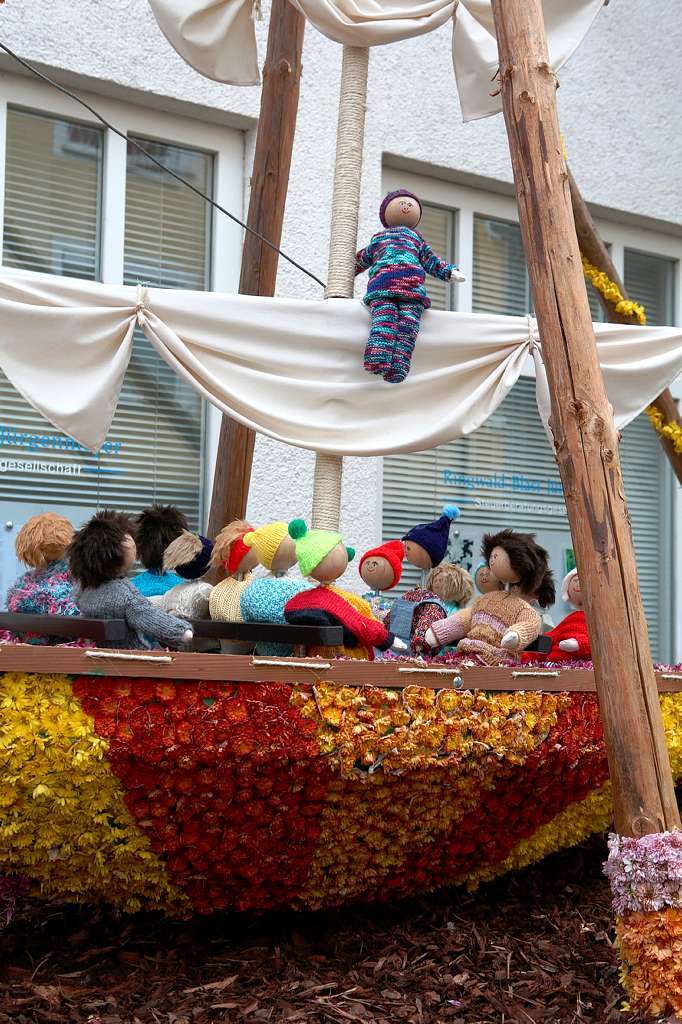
(394, 330)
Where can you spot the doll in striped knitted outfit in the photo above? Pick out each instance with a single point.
(398, 260)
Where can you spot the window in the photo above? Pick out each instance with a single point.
(52, 224)
(438, 228)
(650, 280)
(53, 188)
(504, 474)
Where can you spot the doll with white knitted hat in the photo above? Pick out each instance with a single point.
(570, 639)
(189, 557)
(398, 260)
(323, 557)
(264, 599)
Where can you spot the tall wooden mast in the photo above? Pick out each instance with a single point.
(269, 183)
(585, 437)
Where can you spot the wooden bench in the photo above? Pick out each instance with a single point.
(110, 632)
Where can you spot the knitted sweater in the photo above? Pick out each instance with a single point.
(119, 599)
(152, 583)
(188, 599)
(328, 606)
(46, 591)
(224, 602)
(573, 627)
(479, 628)
(398, 260)
(264, 601)
(424, 617)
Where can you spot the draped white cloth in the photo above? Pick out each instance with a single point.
(217, 37)
(292, 369)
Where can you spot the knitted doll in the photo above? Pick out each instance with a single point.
(412, 615)
(100, 555)
(264, 599)
(452, 584)
(155, 528)
(381, 569)
(189, 555)
(426, 544)
(322, 556)
(231, 553)
(398, 260)
(47, 587)
(500, 623)
(570, 640)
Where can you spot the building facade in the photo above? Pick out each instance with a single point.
(75, 199)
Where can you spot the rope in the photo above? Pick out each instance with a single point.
(162, 166)
(327, 491)
(350, 135)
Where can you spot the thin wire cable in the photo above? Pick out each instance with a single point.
(173, 174)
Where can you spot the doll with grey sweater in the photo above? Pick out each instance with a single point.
(263, 600)
(100, 556)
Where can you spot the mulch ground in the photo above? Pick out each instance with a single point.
(535, 947)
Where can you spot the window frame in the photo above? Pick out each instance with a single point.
(225, 144)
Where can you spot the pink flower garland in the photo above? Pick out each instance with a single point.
(645, 873)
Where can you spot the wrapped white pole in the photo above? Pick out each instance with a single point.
(350, 136)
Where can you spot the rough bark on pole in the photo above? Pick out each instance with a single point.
(342, 247)
(269, 181)
(593, 248)
(585, 437)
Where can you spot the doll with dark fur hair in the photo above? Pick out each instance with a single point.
(100, 555)
(47, 587)
(501, 623)
(155, 528)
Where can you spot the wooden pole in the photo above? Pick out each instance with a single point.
(585, 438)
(269, 182)
(592, 247)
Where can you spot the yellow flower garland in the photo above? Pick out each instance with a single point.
(611, 292)
(671, 431)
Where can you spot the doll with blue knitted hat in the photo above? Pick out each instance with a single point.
(398, 260)
(264, 599)
(426, 544)
(188, 557)
(323, 557)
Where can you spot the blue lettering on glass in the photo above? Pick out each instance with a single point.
(501, 481)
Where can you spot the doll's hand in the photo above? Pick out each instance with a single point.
(569, 645)
(456, 276)
(399, 645)
(430, 638)
(510, 640)
(187, 636)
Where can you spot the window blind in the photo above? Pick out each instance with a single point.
(437, 227)
(154, 448)
(650, 280)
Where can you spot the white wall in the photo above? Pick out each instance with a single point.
(620, 115)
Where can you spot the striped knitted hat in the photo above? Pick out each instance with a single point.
(390, 196)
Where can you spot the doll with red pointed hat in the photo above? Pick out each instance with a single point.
(398, 260)
(381, 568)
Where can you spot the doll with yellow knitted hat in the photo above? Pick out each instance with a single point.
(323, 557)
(264, 599)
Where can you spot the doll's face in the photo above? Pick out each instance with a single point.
(332, 566)
(129, 554)
(416, 555)
(500, 566)
(402, 212)
(575, 595)
(248, 562)
(285, 556)
(377, 573)
(485, 581)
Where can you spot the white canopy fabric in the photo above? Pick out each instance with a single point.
(217, 37)
(292, 369)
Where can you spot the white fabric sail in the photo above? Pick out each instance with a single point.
(217, 37)
(292, 369)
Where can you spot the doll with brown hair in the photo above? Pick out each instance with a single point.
(323, 557)
(100, 556)
(501, 623)
(231, 554)
(46, 588)
(155, 528)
